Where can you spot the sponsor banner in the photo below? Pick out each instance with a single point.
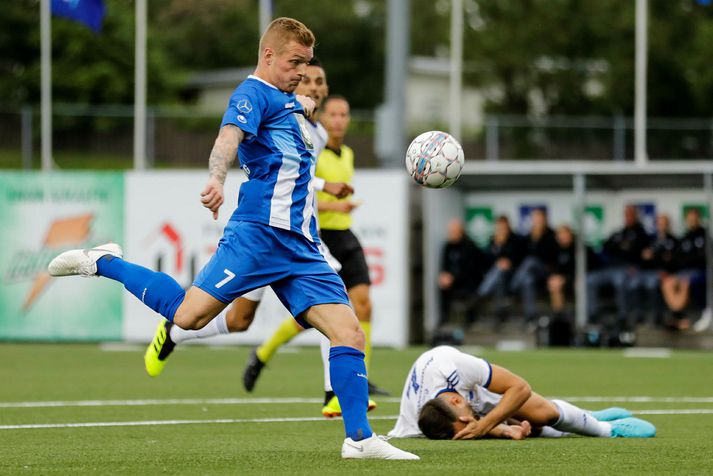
(44, 214)
(593, 225)
(604, 212)
(381, 224)
(168, 229)
(525, 215)
(479, 223)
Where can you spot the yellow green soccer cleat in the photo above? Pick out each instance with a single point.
(332, 409)
(159, 349)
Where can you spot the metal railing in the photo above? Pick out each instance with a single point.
(101, 137)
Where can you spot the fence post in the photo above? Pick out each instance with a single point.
(150, 137)
(708, 188)
(26, 121)
(580, 289)
(619, 138)
(492, 139)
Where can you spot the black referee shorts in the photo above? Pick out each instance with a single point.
(346, 248)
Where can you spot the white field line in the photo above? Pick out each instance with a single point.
(640, 399)
(690, 411)
(291, 400)
(179, 422)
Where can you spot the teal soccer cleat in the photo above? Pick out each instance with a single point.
(632, 428)
(611, 414)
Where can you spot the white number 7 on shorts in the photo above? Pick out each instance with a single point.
(230, 275)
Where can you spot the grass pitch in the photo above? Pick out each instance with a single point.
(197, 419)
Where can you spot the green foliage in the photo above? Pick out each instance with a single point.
(544, 56)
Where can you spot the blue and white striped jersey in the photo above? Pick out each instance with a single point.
(277, 155)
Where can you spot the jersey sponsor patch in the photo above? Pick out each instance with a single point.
(244, 106)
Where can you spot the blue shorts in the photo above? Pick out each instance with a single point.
(252, 255)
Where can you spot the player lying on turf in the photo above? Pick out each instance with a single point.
(452, 395)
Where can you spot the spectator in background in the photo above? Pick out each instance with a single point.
(560, 283)
(462, 263)
(540, 248)
(657, 261)
(690, 278)
(504, 253)
(622, 257)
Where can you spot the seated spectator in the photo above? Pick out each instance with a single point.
(657, 262)
(690, 261)
(505, 253)
(540, 248)
(622, 258)
(462, 265)
(560, 283)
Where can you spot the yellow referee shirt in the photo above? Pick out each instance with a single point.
(335, 168)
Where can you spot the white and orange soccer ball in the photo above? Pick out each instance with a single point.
(435, 159)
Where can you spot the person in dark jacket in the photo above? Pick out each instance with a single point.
(462, 264)
(560, 282)
(622, 255)
(690, 261)
(657, 262)
(505, 252)
(540, 248)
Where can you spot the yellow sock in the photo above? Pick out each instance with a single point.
(285, 333)
(366, 327)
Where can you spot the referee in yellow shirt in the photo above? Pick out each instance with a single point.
(336, 164)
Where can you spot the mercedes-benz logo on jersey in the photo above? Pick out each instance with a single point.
(244, 106)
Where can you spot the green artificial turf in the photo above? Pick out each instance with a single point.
(71, 373)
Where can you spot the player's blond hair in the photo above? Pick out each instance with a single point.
(283, 30)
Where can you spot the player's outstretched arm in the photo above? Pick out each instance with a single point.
(222, 157)
(514, 390)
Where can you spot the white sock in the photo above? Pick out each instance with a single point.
(324, 347)
(549, 432)
(218, 326)
(575, 420)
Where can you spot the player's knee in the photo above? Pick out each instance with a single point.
(350, 336)
(191, 321)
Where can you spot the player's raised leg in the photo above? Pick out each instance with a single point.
(237, 318)
(159, 291)
(349, 381)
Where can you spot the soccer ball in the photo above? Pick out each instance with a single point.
(435, 159)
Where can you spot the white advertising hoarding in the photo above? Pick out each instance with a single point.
(168, 229)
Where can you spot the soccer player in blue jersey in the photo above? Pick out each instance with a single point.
(271, 238)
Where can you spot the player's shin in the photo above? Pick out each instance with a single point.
(157, 290)
(575, 420)
(348, 376)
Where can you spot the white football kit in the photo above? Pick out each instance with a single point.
(438, 369)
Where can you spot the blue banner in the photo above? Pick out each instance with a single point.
(88, 12)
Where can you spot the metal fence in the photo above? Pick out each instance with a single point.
(101, 137)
